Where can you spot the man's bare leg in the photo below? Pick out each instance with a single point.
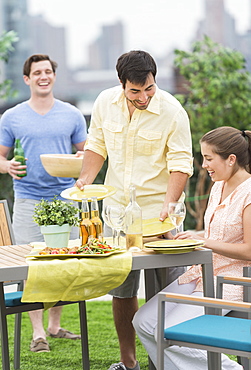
(123, 312)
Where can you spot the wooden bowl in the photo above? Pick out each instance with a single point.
(62, 165)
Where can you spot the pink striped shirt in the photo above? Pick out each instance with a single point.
(223, 221)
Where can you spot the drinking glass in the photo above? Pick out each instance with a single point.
(106, 218)
(177, 213)
(116, 216)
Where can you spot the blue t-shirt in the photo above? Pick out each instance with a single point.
(54, 132)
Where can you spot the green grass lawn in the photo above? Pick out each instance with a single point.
(66, 354)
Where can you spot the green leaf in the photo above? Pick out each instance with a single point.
(56, 212)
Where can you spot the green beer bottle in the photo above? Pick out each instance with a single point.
(19, 155)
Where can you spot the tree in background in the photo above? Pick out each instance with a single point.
(6, 46)
(218, 93)
(7, 39)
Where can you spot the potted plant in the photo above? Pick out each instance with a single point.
(56, 219)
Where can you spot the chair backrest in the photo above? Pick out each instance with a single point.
(6, 231)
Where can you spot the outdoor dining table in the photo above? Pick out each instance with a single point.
(13, 266)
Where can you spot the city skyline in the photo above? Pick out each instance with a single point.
(82, 81)
(157, 27)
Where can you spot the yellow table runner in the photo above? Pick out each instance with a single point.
(73, 279)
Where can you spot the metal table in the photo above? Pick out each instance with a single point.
(13, 266)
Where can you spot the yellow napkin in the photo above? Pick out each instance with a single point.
(74, 279)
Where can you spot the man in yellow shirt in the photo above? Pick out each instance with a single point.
(145, 133)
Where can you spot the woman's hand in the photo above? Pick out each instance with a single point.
(190, 235)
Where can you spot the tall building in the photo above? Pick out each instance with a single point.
(50, 40)
(214, 24)
(105, 50)
(218, 24)
(245, 42)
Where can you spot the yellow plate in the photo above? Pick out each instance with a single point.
(174, 250)
(164, 244)
(95, 190)
(154, 227)
(35, 253)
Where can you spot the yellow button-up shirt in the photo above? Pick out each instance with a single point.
(143, 149)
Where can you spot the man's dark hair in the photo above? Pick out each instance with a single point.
(37, 58)
(135, 66)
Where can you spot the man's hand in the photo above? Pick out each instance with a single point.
(80, 184)
(14, 167)
(163, 213)
(79, 153)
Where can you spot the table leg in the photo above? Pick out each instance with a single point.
(208, 284)
(4, 331)
(150, 291)
(152, 286)
(84, 335)
(208, 279)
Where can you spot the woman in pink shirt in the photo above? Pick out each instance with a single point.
(226, 155)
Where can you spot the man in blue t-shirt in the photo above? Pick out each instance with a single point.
(44, 125)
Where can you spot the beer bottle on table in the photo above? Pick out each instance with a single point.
(86, 227)
(133, 223)
(95, 219)
(19, 156)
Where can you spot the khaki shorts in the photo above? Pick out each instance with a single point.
(129, 288)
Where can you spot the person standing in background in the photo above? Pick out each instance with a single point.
(145, 133)
(44, 125)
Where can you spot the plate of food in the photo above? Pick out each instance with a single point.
(155, 227)
(94, 248)
(95, 190)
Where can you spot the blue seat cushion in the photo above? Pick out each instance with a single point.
(212, 330)
(13, 299)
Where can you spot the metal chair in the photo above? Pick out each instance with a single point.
(212, 332)
(244, 361)
(10, 303)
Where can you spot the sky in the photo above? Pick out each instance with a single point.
(153, 25)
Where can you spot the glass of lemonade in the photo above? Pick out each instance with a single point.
(177, 213)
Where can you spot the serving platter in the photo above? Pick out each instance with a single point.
(95, 190)
(35, 253)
